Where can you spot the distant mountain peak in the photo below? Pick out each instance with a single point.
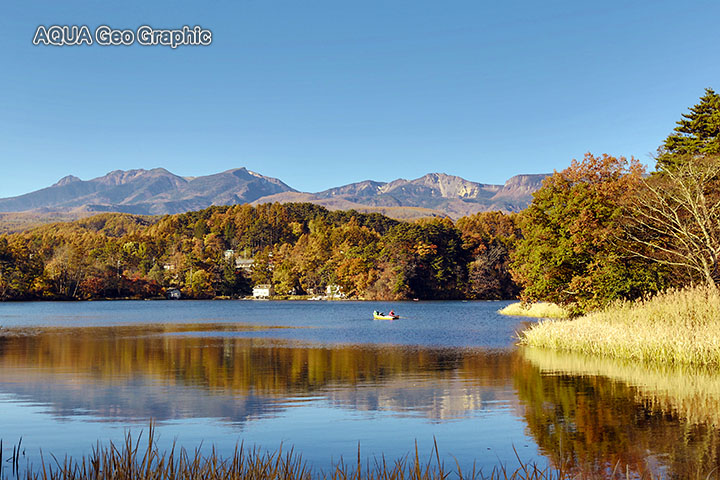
(451, 186)
(437, 176)
(525, 179)
(67, 180)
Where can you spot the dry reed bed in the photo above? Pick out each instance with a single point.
(536, 310)
(677, 327)
(130, 462)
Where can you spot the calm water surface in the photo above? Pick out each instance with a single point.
(324, 378)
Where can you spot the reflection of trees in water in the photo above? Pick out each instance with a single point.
(143, 372)
(587, 414)
(590, 414)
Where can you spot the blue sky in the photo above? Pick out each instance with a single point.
(324, 93)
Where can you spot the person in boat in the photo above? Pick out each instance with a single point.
(392, 313)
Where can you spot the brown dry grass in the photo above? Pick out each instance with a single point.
(130, 462)
(676, 327)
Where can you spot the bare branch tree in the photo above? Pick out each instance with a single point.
(675, 218)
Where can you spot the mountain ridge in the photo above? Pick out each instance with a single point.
(158, 191)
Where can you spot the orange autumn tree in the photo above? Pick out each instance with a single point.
(572, 251)
(490, 237)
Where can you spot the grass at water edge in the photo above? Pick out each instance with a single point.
(676, 327)
(536, 310)
(130, 461)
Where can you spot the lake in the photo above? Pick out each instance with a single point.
(326, 379)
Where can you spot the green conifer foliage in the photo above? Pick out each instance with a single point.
(697, 133)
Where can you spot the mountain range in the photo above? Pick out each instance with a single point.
(158, 191)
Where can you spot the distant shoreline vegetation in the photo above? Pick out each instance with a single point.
(270, 250)
(220, 298)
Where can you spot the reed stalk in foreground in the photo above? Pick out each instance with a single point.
(130, 462)
(678, 327)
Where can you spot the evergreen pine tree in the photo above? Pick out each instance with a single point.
(697, 133)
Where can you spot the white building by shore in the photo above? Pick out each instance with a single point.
(263, 291)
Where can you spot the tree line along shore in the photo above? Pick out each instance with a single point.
(295, 249)
(602, 231)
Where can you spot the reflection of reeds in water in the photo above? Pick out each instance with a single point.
(692, 392)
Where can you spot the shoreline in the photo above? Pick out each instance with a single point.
(675, 327)
(244, 299)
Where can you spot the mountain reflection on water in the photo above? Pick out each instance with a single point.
(63, 388)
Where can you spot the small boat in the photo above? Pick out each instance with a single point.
(379, 316)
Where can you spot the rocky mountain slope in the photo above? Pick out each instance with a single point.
(159, 191)
(147, 192)
(435, 194)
